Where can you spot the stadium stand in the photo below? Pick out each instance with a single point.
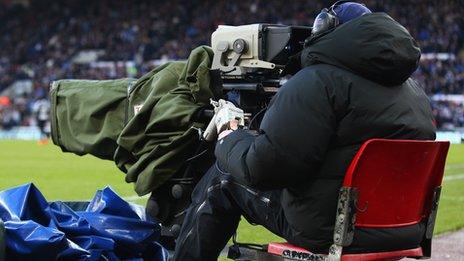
(45, 40)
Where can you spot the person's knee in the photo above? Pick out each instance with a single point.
(211, 183)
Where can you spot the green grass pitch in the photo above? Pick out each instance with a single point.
(65, 176)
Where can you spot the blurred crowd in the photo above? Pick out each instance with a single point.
(448, 114)
(39, 39)
(441, 76)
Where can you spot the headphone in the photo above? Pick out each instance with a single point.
(326, 20)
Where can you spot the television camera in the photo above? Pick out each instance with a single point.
(253, 61)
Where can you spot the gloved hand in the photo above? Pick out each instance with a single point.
(233, 125)
(224, 113)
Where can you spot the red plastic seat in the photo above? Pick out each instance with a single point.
(290, 251)
(394, 183)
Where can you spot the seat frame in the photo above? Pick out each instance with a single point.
(343, 233)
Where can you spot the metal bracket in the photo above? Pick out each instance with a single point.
(220, 56)
(344, 222)
(346, 216)
(234, 64)
(433, 213)
(335, 253)
(426, 243)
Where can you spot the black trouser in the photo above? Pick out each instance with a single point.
(218, 201)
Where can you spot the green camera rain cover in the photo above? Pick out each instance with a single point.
(146, 126)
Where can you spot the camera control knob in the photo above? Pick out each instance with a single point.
(239, 46)
(177, 191)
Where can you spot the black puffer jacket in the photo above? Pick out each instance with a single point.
(355, 86)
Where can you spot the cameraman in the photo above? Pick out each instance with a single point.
(354, 86)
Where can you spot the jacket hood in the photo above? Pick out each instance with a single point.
(373, 46)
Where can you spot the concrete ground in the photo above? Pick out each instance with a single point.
(449, 246)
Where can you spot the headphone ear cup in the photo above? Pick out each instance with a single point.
(324, 21)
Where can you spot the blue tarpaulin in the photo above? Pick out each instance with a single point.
(109, 228)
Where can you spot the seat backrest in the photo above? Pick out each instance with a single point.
(395, 180)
